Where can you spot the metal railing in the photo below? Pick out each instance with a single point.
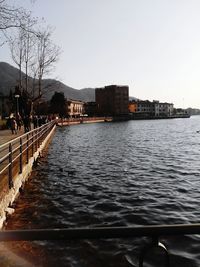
(15, 154)
(152, 231)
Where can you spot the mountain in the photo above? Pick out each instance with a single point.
(9, 77)
(50, 86)
(132, 98)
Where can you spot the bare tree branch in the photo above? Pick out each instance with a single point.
(15, 17)
(47, 53)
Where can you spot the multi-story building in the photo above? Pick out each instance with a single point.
(151, 109)
(166, 109)
(146, 107)
(75, 108)
(112, 100)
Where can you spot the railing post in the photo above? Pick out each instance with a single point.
(20, 157)
(38, 137)
(32, 144)
(36, 141)
(27, 144)
(10, 182)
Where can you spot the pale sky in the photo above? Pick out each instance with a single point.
(153, 46)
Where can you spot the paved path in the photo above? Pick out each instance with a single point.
(6, 135)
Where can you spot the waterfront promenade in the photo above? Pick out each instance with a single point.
(17, 155)
(10, 255)
(6, 135)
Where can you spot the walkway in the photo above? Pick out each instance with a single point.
(6, 135)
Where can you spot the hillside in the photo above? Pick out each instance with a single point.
(9, 76)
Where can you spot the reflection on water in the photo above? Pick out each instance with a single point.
(115, 174)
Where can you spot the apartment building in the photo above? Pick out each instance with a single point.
(112, 100)
(166, 109)
(147, 108)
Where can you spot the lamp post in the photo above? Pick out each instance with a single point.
(17, 104)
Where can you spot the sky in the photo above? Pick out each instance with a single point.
(153, 46)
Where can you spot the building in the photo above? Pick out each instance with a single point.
(112, 100)
(166, 109)
(132, 106)
(75, 108)
(146, 108)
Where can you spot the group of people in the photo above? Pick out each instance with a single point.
(40, 120)
(14, 123)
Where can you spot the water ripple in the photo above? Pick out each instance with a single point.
(117, 174)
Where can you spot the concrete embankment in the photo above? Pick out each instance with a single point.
(22, 150)
(147, 117)
(12, 254)
(16, 169)
(68, 122)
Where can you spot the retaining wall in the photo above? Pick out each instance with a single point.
(8, 199)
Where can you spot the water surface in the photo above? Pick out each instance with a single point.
(116, 174)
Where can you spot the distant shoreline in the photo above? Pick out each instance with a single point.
(75, 121)
(158, 117)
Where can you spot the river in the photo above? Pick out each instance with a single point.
(114, 174)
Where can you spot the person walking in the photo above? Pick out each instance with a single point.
(27, 124)
(19, 122)
(13, 125)
(35, 122)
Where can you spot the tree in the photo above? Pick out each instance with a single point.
(58, 104)
(16, 44)
(12, 17)
(21, 43)
(47, 55)
(29, 43)
(31, 49)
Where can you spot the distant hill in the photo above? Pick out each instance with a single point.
(132, 98)
(9, 77)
